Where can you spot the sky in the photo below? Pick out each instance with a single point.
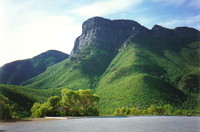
(30, 27)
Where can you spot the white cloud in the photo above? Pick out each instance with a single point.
(29, 40)
(193, 21)
(30, 27)
(171, 2)
(105, 7)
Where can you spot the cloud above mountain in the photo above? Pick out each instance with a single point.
(30, 27)
(105, 7)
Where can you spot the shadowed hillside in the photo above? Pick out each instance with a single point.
(22, 70)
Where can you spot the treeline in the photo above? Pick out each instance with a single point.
(72, 103)
(155, 110)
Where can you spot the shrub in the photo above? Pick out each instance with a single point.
(5, 108)
(73, 103)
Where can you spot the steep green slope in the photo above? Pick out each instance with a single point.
(22, 70)
(59, 75)
(22, 98)
(80, 71)
(141, 76)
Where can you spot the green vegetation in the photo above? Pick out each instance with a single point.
(190, 83)
(21, 99)
(73, 103)
(155, 110)
(60, 75)
(139, 75)
(80, 71)
(19, 71)
(47, 108)
(5, 108)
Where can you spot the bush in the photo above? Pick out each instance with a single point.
(81, 102)
(190, 83)
(73, 103)
(5, 108)
(155, 110)
(47, 108)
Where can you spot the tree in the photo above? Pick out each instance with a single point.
(53, 103)
(5, 108)
(82, 102)
(35, 110)
(71, 101)
(88, 102)
(47, 108)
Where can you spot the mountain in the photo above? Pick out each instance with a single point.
(22, 99)
(128, 65)
(22, 70)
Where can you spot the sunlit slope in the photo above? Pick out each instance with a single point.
(141, 75)
(80, 71)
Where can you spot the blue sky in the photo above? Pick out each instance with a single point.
(29, 27)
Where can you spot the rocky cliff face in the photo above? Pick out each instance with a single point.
(111, 34)
(185, 34)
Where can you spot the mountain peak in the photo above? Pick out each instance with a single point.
(53, 53)
(110, 33)
(94, 21)
(18, 71)
(186, 29)
(159, 27)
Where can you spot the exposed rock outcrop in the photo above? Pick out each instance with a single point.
(111, 34)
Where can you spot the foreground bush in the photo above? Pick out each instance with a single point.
(81, 102)
(73, 103)
(155, 110)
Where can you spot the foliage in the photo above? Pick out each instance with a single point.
(73, 103)
(47, 108)
(155, 110)
(141, 75)
(60, 75)
(150, 72)
(21, 99)
(138, 76)
(5, 108)
(190, 83)
(81, 102)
